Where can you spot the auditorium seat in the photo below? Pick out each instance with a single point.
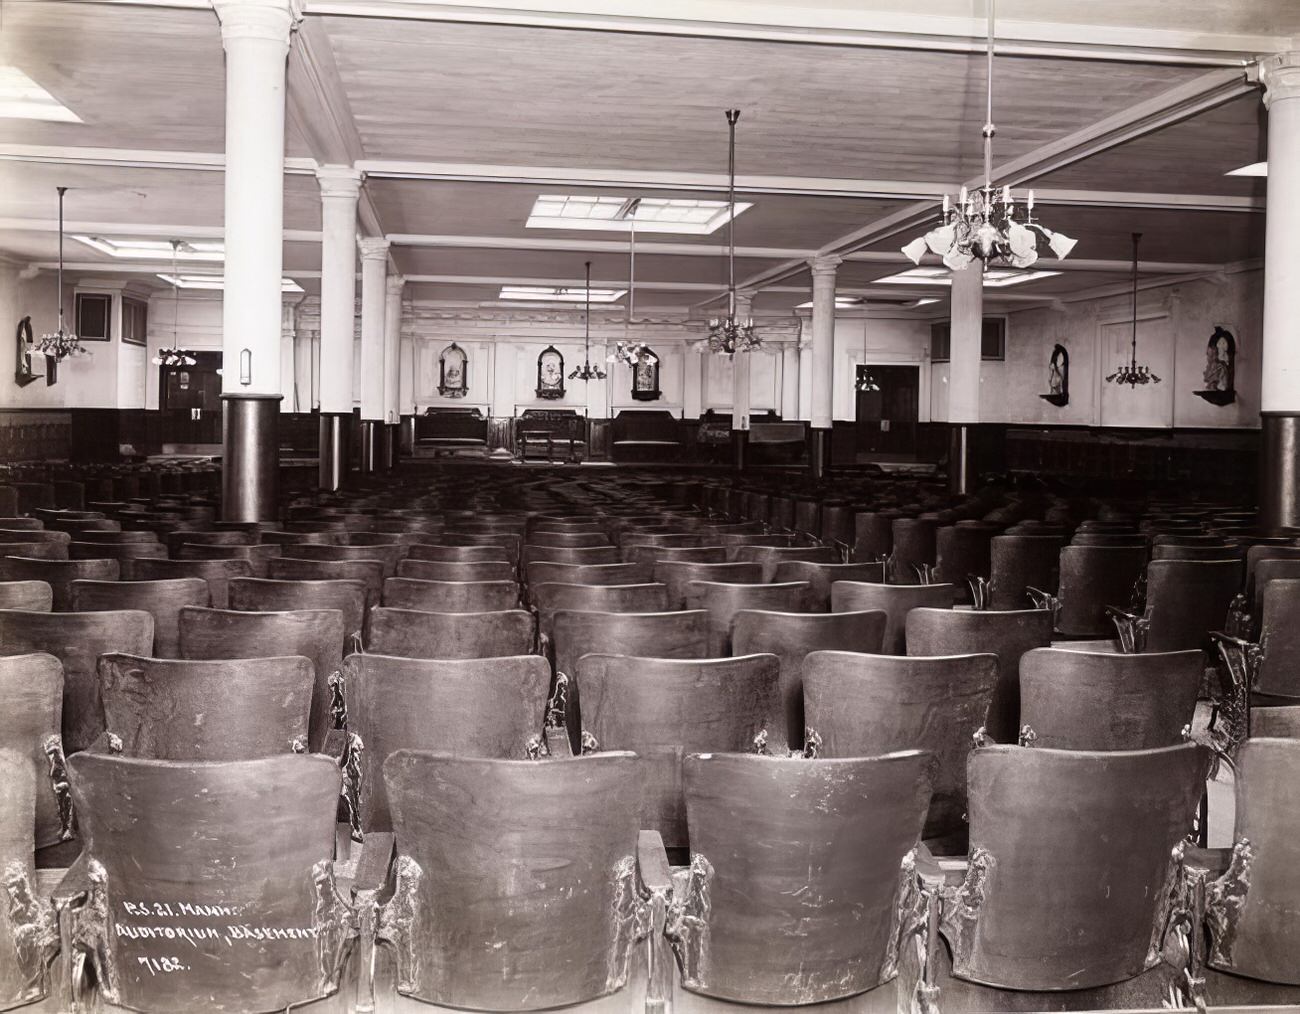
(543, 571)
(770, 557)
(48, 549)
(791, 636)
(58, 574)
(32, 685)
(268, 595)
(206, 710)
(912, 559)
(217, 573)
(476, 570)
(1019, 562)
(860, 705)
(34, 596)
(1185, 601)
(677, 575)
(409, 633)
(963, 557)
(493, 707)
(163, 600)
(450, 596)
(389, 554)
(821, 576)
(550, 598)
(455, 554)
(652, 556)
(723, 601)
(1092, 578)
(369, 572)
(259, 556)
(895, 600)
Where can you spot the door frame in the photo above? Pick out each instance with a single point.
(845, 380)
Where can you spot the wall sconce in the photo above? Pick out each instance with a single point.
(245, 366)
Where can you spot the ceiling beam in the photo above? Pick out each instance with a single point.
(138, 231)
(1171, 106)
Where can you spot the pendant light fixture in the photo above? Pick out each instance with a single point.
(986, 223)
(865, 381)
(61, 344)
(1131, 373)
(627, 351)
(175, 356)
(727, 335)
(587, 372)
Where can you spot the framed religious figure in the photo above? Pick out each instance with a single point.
(550, 374)
(645, 376)
(1219, 379)
(1058, 377)
(453, 372)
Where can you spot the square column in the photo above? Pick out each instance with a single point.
(967, 328)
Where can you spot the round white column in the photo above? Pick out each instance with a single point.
(823, 360)
(1280, 360)
(374, 269)
(790, 381)
(255, 35)
(392, 366)
(340, 186)
(967, 326)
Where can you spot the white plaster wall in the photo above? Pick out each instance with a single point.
(34, 297)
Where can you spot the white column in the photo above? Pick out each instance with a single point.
(1280, 76)
(340, 186)
(393, 349)
(967, 310)
(406, 375)
(740, 369)
(790, 381)
(693, 381)
(288, 358)
(823, 343)
(374, 269)
(255, 34)
(805, 380)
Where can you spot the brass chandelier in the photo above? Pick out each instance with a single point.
(587, 372)
(1131, 373)
(61, 344)
(729, 335)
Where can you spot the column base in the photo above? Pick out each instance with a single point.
(739, 449)
(383, 447)
(335, 448)
(370, 448)
(819, 452)
(961, 460)
(406, 443)
(250, 458)
(1279, 472)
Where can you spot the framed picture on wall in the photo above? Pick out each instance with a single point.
(453, 372)
(93, 312)
(645, 376)
(135, 321)
(550, 374)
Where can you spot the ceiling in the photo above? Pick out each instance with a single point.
(855, 114)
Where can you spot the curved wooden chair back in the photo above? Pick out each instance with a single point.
(666, 709)
(369, 572)
(722, 601)
(1187, 599)
(77, 640)
(206, 710)
(1278, 674)
(216, 572)
(556, 848)
(493, 707)
(316, 634)
(389, 554)
(1084, 700)
(652, 556)
(58, 574)
(259, 557)
(476, 570)
(1110, 540)
(645, 635)
(895, 600)
(771, 861)
(34, 596)
(1266, 572)
(821, 576)
(450, 596)
(508, 542)
(540, 537)
(456, 554)
(1092, 578)
(914, 546)
(962, 551)
(177, 540)
(1278, 721)
(215, 845)
(123, 552)
(163, 600)
(33, 551)
(277, 538)
(550, 598)
(733, 541)
(1018, 562)
(543, 571)
(36, 534)
(1256, 922)
(410, 633)
(859, 705)
(270, 595)
(570, 554)
(677, 538)
(677, 575)
(1177, 552)
(770, 557)
(791, 636)
(1258, 553)
(1048, 828)
(1008, 634)
(32, 687)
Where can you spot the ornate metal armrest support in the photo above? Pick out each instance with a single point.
(924, 573)
(1045, 600)
(557, 742)
(1241, 662)
(1239, 622)
(73, 893)
(1183, 929)
(543, 640)
(980, 590)
(657, 886)
(955, 908)
(52, 746)
(1132, 629)
(346, 748)
(846, 551)
(390, 923)
(356, 645)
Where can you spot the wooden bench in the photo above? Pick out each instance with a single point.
(642, 435)
(451, 431)
(551, 428)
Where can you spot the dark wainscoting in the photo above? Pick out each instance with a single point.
(35, 435)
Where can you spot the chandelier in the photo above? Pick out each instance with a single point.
(61, 344)
(1131, 373)
(727, 335)
(628, 352)
(175, 356)
(587, 372)
(986, 222)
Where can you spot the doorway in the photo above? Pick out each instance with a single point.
(888, 405)
(190, 401)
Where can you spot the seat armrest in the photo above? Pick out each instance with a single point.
(652, 862)
(75, 884)
(657, 880)
(1214, 861)
(374, 861)
(557, 742)
(335, 746)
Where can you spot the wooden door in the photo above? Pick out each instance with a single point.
(190, 399)
(887, 416)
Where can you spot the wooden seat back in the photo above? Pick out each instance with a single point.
(647, 635)
(163, 600)
(216, 572)
(821, 576)
(1022, 561)
(549, 598)
(58, 574)
(32, 688)
(35, 596)
(369, 572)
(456, 554)
(723, 601)
(772, 556)
(475, 570)
(1092, 578)
(677, 576)
(896, 600)
(410, 633)
(1187, 599)
(390, 554)
(450, 596)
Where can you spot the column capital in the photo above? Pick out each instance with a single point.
(373, 248)
(1280, 76)
(266, 20)
(825, 266)
(395, 284)
(339, 181)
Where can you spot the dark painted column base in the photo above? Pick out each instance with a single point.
(1279, 472)
(739, 449)
(406, 442)
(394, 444)
(370, 445)
(383, 447)
(250, 459)
(819, 452)
(961, 460)
(335, 445)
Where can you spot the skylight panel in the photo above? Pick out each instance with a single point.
(216, 282)
(21, 98)
(559, 294)
(1254, 169)
(994, 278)
(155, 249)
(685, 216)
